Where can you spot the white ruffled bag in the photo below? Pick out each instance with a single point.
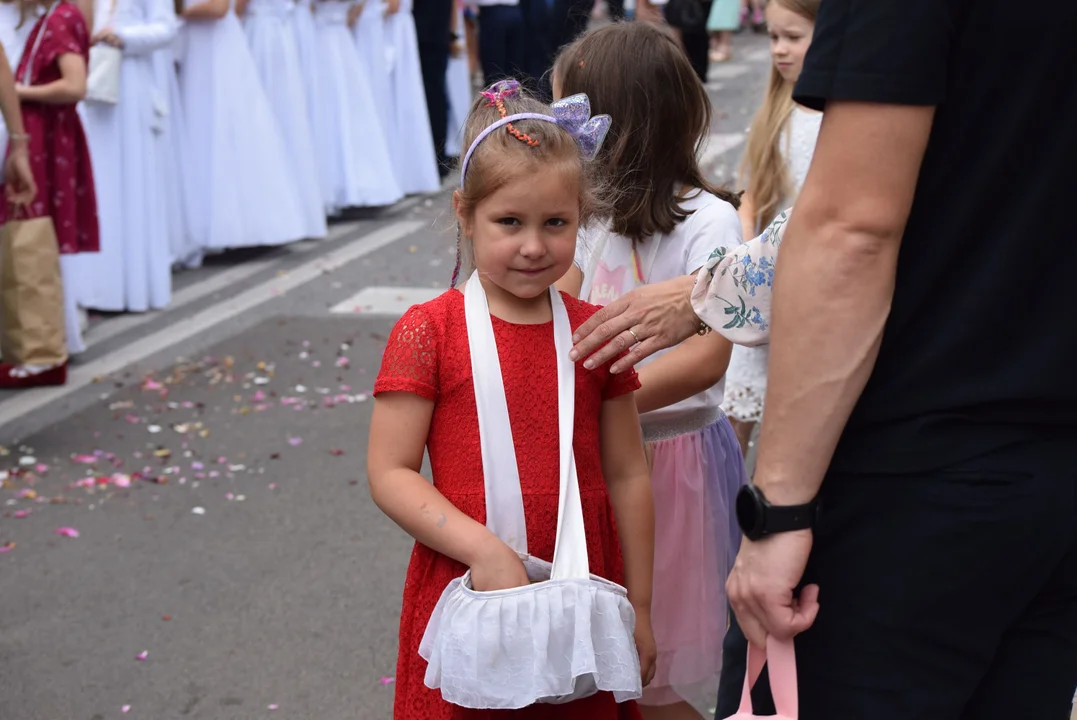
(569, 634)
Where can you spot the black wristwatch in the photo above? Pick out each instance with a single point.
(758, 518)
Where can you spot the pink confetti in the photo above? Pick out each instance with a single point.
(343, 362)
(22, 513)
(7, 547)
(142, 655)
(85, 459)
(26, 493)
(197, 466)
(85, 482)
(258, 397)
(295, 442)
(274, 707)
(151, 384)
(125, 709)
(67, 532)
(42, 468)
(121, 481)
(387, 680)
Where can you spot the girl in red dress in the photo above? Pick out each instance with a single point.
(51, 80)
(524, 192)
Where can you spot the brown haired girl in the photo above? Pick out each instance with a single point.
(666, 221)
(524, 191)
(780, 146)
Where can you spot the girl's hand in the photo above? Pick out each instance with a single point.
(19, 186)
(20, 90)
(392, 7)
(108, 37)
(648, 448)
(498, 568)
(648, 652)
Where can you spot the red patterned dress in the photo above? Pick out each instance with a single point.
(427, 354)
(59, 155)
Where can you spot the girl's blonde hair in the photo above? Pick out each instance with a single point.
(763, 163)
(514, 150)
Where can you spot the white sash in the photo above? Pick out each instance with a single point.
(568, 634)
(504, 503)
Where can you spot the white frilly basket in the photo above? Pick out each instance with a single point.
(569, 634)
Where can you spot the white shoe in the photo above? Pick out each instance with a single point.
(84, 320)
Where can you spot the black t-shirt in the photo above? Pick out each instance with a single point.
(980, 349)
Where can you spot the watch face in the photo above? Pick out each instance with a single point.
(749, 511)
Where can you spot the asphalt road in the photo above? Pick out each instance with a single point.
(229, 563)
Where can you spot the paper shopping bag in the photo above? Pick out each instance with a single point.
(780, 658)
(31, 294)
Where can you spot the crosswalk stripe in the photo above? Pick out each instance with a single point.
(379, 300)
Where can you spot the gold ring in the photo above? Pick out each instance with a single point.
(634, 336)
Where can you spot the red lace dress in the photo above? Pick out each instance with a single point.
(59, 155)
(427, 354)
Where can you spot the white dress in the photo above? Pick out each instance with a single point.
(377, 61)
(352, 156)
(746, 377)
(183, 247)
(268, 24)
(243, 192)
(133, 269)
(306, 43)
(413, 154)
(461, 94)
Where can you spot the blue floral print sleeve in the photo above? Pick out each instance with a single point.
(732, 293)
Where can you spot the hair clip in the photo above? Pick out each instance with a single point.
(574, 115)
(501, 90)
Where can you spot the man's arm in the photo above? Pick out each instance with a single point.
(833, 286)
(832, 294)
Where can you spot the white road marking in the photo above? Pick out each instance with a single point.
(717, 145)
(385, 300)
(757, 55)
(214, 284)
(83, 375)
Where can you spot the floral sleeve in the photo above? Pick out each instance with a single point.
(732, 293)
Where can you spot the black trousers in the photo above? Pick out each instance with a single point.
(949, 595)
(434, 61)
(502, 49)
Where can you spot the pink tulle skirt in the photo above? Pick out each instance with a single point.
(695, 478)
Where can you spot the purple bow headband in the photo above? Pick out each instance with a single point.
(573, 114)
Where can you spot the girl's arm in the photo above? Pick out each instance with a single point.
(156, 32)
(624, 465)
(19, 184)
(68, 90)
(86, 8)
(354, 11)
(398, 431)
(688, 369)
(208, 10)
(241, 7)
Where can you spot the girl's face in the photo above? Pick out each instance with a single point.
(524, 235)
(790, 36)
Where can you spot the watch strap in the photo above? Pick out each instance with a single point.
(787, 518)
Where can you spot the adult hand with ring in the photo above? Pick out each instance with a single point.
(655, 316)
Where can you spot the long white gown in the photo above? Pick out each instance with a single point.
(243, 194)
(183, 248)
(268, 24)
(375, 55)
(461, 94)
(353, 158)
(133, 270)
(413, 153)
(306, 42)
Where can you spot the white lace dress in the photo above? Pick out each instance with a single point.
(746, 378)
